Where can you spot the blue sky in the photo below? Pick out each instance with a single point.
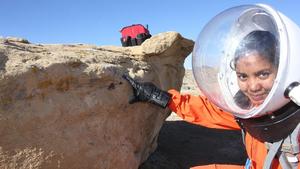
(98, 21)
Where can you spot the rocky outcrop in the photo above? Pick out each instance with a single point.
(66, 106)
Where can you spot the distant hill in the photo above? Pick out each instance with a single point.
(189, 84)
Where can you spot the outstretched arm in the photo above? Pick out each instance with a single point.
(199, 110)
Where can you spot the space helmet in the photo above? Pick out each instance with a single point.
(227, 34)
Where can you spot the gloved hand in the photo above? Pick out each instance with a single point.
(147, 92)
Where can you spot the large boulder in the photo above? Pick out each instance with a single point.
(66, 106)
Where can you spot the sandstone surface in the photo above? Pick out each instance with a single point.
(66, 105)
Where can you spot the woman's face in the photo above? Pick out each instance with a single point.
(256, 76)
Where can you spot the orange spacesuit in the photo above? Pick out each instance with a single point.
(199, 110)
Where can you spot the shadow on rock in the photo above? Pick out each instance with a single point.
(182, 145)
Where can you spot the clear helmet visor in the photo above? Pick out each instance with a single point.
(236, 58)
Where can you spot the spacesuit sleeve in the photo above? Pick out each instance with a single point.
(199, 110)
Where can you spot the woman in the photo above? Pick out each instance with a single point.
(256, 65)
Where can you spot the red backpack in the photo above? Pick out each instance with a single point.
(134, 35)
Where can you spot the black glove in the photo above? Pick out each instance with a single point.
(147, 92)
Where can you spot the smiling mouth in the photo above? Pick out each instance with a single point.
(258, 98)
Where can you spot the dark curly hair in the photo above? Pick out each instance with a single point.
(262, 42)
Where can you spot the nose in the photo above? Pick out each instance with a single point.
(254, 85)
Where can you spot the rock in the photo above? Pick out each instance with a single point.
(66, 106)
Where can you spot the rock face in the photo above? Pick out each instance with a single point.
(66, 106)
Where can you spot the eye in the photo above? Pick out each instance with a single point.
(242, 77)
(264, 74)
